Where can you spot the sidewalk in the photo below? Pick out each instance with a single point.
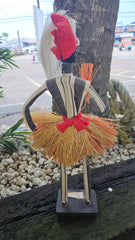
(10, 120)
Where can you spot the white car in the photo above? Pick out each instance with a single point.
(30, 49)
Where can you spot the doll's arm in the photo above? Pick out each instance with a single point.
(97, 99)
(29, 102)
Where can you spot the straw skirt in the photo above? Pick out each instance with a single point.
(70, 147)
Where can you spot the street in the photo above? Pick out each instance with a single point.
(20, 83)
(123, 69)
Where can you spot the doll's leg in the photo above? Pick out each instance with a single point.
(86, 181)
(63, 184)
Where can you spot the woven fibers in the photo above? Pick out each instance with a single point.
(71, 146)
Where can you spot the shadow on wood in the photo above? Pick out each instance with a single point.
(32, 215)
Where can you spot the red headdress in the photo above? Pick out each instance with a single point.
(64, 37)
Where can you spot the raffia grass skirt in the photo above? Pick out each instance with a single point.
(70, 147)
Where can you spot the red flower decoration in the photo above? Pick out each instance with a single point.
(64, 37)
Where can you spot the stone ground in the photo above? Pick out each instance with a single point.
(27, 169)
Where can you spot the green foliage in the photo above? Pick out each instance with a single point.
(9, 138)
(6, 58)
(4, 34)
(1, 92)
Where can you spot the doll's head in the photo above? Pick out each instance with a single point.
(64, 39)
(58, 43)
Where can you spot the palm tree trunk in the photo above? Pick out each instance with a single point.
(96, 29)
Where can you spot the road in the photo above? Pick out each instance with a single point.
(20, 83)
(123, 69)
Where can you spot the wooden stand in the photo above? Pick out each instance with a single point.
(74, 202)
(77, 206)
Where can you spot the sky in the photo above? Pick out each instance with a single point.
(18, 15)
(126, 12)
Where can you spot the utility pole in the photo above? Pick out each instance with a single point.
(39, 23)
(38, 4)
(19, 41)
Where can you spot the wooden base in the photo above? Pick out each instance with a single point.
(77, 206)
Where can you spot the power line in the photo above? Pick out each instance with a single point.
(12, 6)
(31, 2)
(15, 18)
(30, 16)
(19, 19)
(126, 2)
(125, 12)
(125, 17)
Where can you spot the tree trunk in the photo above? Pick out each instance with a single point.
(96, 28)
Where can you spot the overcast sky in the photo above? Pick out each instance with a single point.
(18, 15)
(11, 13)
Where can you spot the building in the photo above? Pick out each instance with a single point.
(119, 28)
(131, 27)
(21, 44)
(124, 39)
(125, 35)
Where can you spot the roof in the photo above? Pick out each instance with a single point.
(118, 24)
(133, 23)
(120, 35)
(29, 40)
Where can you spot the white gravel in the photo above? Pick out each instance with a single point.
(26, 169)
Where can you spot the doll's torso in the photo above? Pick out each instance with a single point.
(69, 93)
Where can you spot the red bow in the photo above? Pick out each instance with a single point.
(78, 121)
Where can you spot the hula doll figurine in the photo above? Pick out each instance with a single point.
(70, 137)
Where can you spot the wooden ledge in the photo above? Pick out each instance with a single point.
(31, 215)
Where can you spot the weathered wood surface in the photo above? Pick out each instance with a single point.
(31, 215)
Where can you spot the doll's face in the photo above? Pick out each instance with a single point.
(71, 59)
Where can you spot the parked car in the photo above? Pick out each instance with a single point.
(30, 49)
(122, 48)
(129, 48)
